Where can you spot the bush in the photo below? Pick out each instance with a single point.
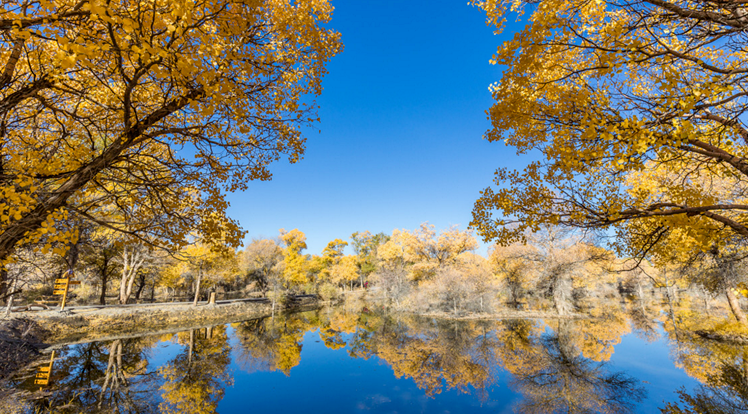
(328, 291)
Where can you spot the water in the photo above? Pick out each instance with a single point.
(338, 361)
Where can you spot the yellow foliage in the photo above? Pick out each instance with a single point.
(633, 109)
(157, 111)
(295, 265)
(423, 251)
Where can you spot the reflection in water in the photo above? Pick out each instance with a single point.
(560, 380)
(100, 377)
(435, 354)
(721, 367)
(725, 393)
(196, 378)
(555, 366)
(271, 344)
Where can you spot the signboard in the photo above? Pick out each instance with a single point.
(62, 286)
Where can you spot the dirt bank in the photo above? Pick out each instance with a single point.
(20, 341)
(100, 323)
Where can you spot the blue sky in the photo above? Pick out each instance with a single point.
(402, 120)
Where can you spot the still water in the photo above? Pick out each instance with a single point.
(341, 361)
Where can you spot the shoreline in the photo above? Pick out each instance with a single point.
(26, 336)
(501, 315)
(96, 323)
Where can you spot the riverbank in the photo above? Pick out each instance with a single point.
(98, 323)
(20, 341)
(24, 336)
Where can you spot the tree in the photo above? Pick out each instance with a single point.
(259, 261)
(100, 257)
(345, 270)
(165, 106)
(635, 109)
(515, 267)
(331, 254)
(295, 265)
(202, 263)
(562, 262)
(719, 273)
(132, 257)
(365, 246)
(424, 251)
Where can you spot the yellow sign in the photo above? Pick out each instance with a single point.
(43, 373)
(62, 286)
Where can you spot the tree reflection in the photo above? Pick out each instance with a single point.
(271, 344)
(561, 380)
(436, 355)
(564, 371)
(725, 393)
(721, 367)
(195, 380)
(106, 377)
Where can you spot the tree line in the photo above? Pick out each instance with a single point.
(421, 270)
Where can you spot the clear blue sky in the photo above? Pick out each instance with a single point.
(402, 120)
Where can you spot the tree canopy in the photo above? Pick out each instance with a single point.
(151, 109)
(636, 111)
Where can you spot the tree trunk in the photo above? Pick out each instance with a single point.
(735, 307)
(132, 260)
(192, 345)
(104, 280)
(197, 286)
(4, 283)
(562, 295)
(12, 294)
(141, 285)
(72, 256)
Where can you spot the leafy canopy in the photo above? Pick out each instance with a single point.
(636, 109)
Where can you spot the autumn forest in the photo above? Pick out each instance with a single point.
(616, 226)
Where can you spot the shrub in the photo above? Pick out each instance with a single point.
(328, 291)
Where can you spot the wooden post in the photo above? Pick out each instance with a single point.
(65, 296)
(212, 300)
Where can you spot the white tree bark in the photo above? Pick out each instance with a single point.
(132, 260)
(197, 284)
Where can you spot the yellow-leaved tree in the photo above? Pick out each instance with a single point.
(423, 251)
(636, 110)
(294, 263)
(199, 264)
(164, 105)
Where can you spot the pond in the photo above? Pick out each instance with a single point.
(335, 360)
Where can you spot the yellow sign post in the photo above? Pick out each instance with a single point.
(43, 373)
(62, 286)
